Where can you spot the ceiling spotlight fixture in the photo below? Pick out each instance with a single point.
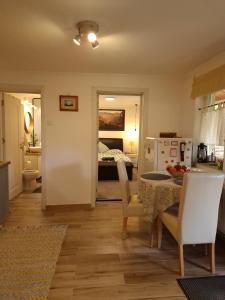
(110, 98)
(92, 37)
(77, 40)
(87, 31)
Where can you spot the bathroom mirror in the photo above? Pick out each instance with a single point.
(28, 122)
(36, 135)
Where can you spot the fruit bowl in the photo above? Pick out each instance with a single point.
(177, 172)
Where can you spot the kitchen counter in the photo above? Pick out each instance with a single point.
(4, 188)
(208, 167)
(33, 153)
(4, 164)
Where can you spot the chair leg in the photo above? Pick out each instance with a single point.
(125, 219)
(181, 259)
(212, 258)
(159, 232)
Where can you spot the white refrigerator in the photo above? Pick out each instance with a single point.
(162, 152)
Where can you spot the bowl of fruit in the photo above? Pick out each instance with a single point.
(177, 172)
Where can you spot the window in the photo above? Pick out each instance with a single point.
(212, 128)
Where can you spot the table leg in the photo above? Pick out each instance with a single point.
(152, 233)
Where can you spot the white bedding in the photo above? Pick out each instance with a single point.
(116, 153)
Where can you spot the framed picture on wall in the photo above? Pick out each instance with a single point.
(111, 119)
(68, 103)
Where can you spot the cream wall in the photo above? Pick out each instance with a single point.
(68, 139)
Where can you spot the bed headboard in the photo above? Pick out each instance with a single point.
(113, 143)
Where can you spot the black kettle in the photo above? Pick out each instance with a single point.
(202, 153)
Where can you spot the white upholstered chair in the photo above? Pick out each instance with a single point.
(132, 207)
(196, 221)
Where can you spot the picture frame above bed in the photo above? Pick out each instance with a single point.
(111, 119)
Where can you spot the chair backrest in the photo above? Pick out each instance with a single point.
(124, 183)
(199, 205)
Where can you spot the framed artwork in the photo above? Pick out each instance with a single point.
(174, 143)
(111, 119)
(173, 152)
(68, 103)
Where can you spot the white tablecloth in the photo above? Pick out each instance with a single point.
(158, 195)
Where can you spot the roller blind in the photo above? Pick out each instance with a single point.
(209, 82)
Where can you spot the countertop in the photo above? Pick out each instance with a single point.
(33, 153)
(4, 164)
(209, 167)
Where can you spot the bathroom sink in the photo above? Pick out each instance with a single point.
(35, 149)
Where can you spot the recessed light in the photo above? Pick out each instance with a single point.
(110, 98)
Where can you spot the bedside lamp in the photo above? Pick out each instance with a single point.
(132, 138)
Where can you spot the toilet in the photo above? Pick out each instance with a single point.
(29, 180)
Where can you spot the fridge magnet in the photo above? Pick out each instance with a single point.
(173, 152)
(174, 143)
(166, 143)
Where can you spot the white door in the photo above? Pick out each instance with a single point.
(13, 135)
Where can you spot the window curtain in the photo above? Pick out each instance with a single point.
(213, 127)
(221, 127)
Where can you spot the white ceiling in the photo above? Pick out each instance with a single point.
(120, 102)
(136, 36)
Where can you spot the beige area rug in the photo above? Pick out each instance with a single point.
(28, 257)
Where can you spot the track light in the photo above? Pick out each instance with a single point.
(77, 40)
(92, 37)
(95, 44)
(87, 31)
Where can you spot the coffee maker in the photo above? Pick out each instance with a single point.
(202, 153)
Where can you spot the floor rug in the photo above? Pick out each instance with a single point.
(203, 288)
(28, 257)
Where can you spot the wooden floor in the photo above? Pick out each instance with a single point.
(95, 263)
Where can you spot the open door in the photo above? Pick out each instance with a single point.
(13, 138)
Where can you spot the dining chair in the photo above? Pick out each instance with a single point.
(131, 205)
(197, 216)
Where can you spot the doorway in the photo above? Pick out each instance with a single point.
(144, 109)
(118, 138)
(22, 141)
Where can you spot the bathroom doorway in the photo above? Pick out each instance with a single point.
(22, 141)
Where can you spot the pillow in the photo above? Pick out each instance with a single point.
(102, 147)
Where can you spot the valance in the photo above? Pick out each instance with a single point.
(208, 83)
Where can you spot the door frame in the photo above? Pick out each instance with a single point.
(30, 90)
(143, 125)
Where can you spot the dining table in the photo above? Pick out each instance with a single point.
(158, 191)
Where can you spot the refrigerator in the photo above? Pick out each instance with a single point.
(162, 152)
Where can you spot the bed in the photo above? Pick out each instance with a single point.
(107, 169)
